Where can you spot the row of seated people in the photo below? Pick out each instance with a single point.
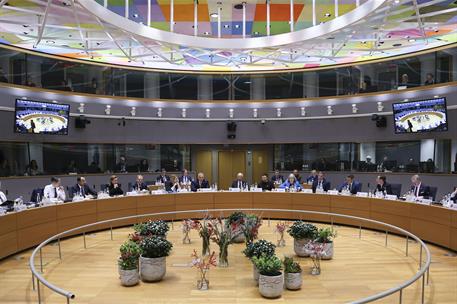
(172, 183)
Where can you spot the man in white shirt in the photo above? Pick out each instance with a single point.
(54, 190)
(2, 197)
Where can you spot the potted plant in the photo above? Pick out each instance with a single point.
(154, 250)
(235, 222)
(325, 236)
(157, 228)
(271, 279)
(302, 233)
(292, 274)
(128, 263)
(257, 249)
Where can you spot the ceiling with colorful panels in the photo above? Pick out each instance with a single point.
(228, 36)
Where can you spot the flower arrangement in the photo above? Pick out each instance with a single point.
(290, 266)
(130, 252)
(316, 251)
(259, 248)
(268, 265)
(203, 264)
(280, 228)
(155, 247)
(187, 226)
(157, 228)
(302, 230)
(205, 230)
(223, 237)
(251, 227)
(235, 222)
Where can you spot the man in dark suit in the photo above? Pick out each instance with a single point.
(201, 182)
(81, 188)
(351, 185)
(382, 186)
(185, 178)
(310, 179)
(320, 183)
(239, 182)
(297, 175)
(419, 189)
(277, 178)
(454, 195)
(266, 184)
(139, 184)
(163, 177)
(121, 166)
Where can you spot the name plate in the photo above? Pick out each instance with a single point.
(205, 190)
(391, 197)
(256, 189)
(307, 190)
(280, 190)
(234, 189)
(362, 194)
(333, 192)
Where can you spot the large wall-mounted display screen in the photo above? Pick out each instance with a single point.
(34, 117)
(420, 116)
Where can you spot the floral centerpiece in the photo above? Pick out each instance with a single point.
(205, 230)
(235, 222)
(187, 226)
(280, 228)
(203, 264)
(302, 233)
(316, 251)
(223, 237)
(250, 227)
(325, 236)
(149, 228)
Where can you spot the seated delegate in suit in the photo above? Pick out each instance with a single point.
(291, 182)
(54, 190)
(163, 177)
(454, 195)
(185, 178)
(81, 188)
(114, 187)
(351, 185)
(419, 189)
(139, 184)
(239, 182)
(277, 178)
(201, 182)
(310, 179)
(266, 184)
(3, 198)
(297, 175)
(382, 186)
(173, 184)
(320, 183)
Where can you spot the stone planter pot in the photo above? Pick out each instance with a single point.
(328, 251)
(293, 281)
(129, 277)
(271, 286)
(299, 247)
(255, 272)
(239, 238)
(152, 269)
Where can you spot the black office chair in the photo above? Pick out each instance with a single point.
(103, 187)
(35, 193)
(130, 186)
(396, 189)
(433, 191)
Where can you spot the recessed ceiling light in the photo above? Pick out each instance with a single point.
(237, 25)
(412, 40)
(256, 33)
(135, 15)
(436, 96)
(226, 26)
(327, 14)
(214, 15)
(206, 33)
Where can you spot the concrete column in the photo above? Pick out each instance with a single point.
(257, 88)
(205, 87)
(427, 66)
(427, 149)
(310, 84)
(151, 85)
(367, 149)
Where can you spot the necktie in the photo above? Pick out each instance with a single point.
(239, 184)
(350, 187)
(82, 191)
(55, 192)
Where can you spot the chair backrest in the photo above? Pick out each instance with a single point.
(130, 186)
(35, 193)
(433, 191)
(103, 187)
(396, 189)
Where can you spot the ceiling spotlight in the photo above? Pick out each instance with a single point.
(108, 110)
(436, 96)
(81, 107)
(380, 106)
(412, 40)
(237, 25)
(226, 26)
(159, 112)
(278, 112)
(135, 15)
(206, 33)
(327, 15)
(303, 111)
(133, 111)
(231, 114)
(354, 108)
(255, 113)
(214, 15)
(329, 110)
(207, 113)
(183, 113)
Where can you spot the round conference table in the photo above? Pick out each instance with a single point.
(28, 228)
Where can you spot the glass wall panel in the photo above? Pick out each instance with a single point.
(14, 159)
